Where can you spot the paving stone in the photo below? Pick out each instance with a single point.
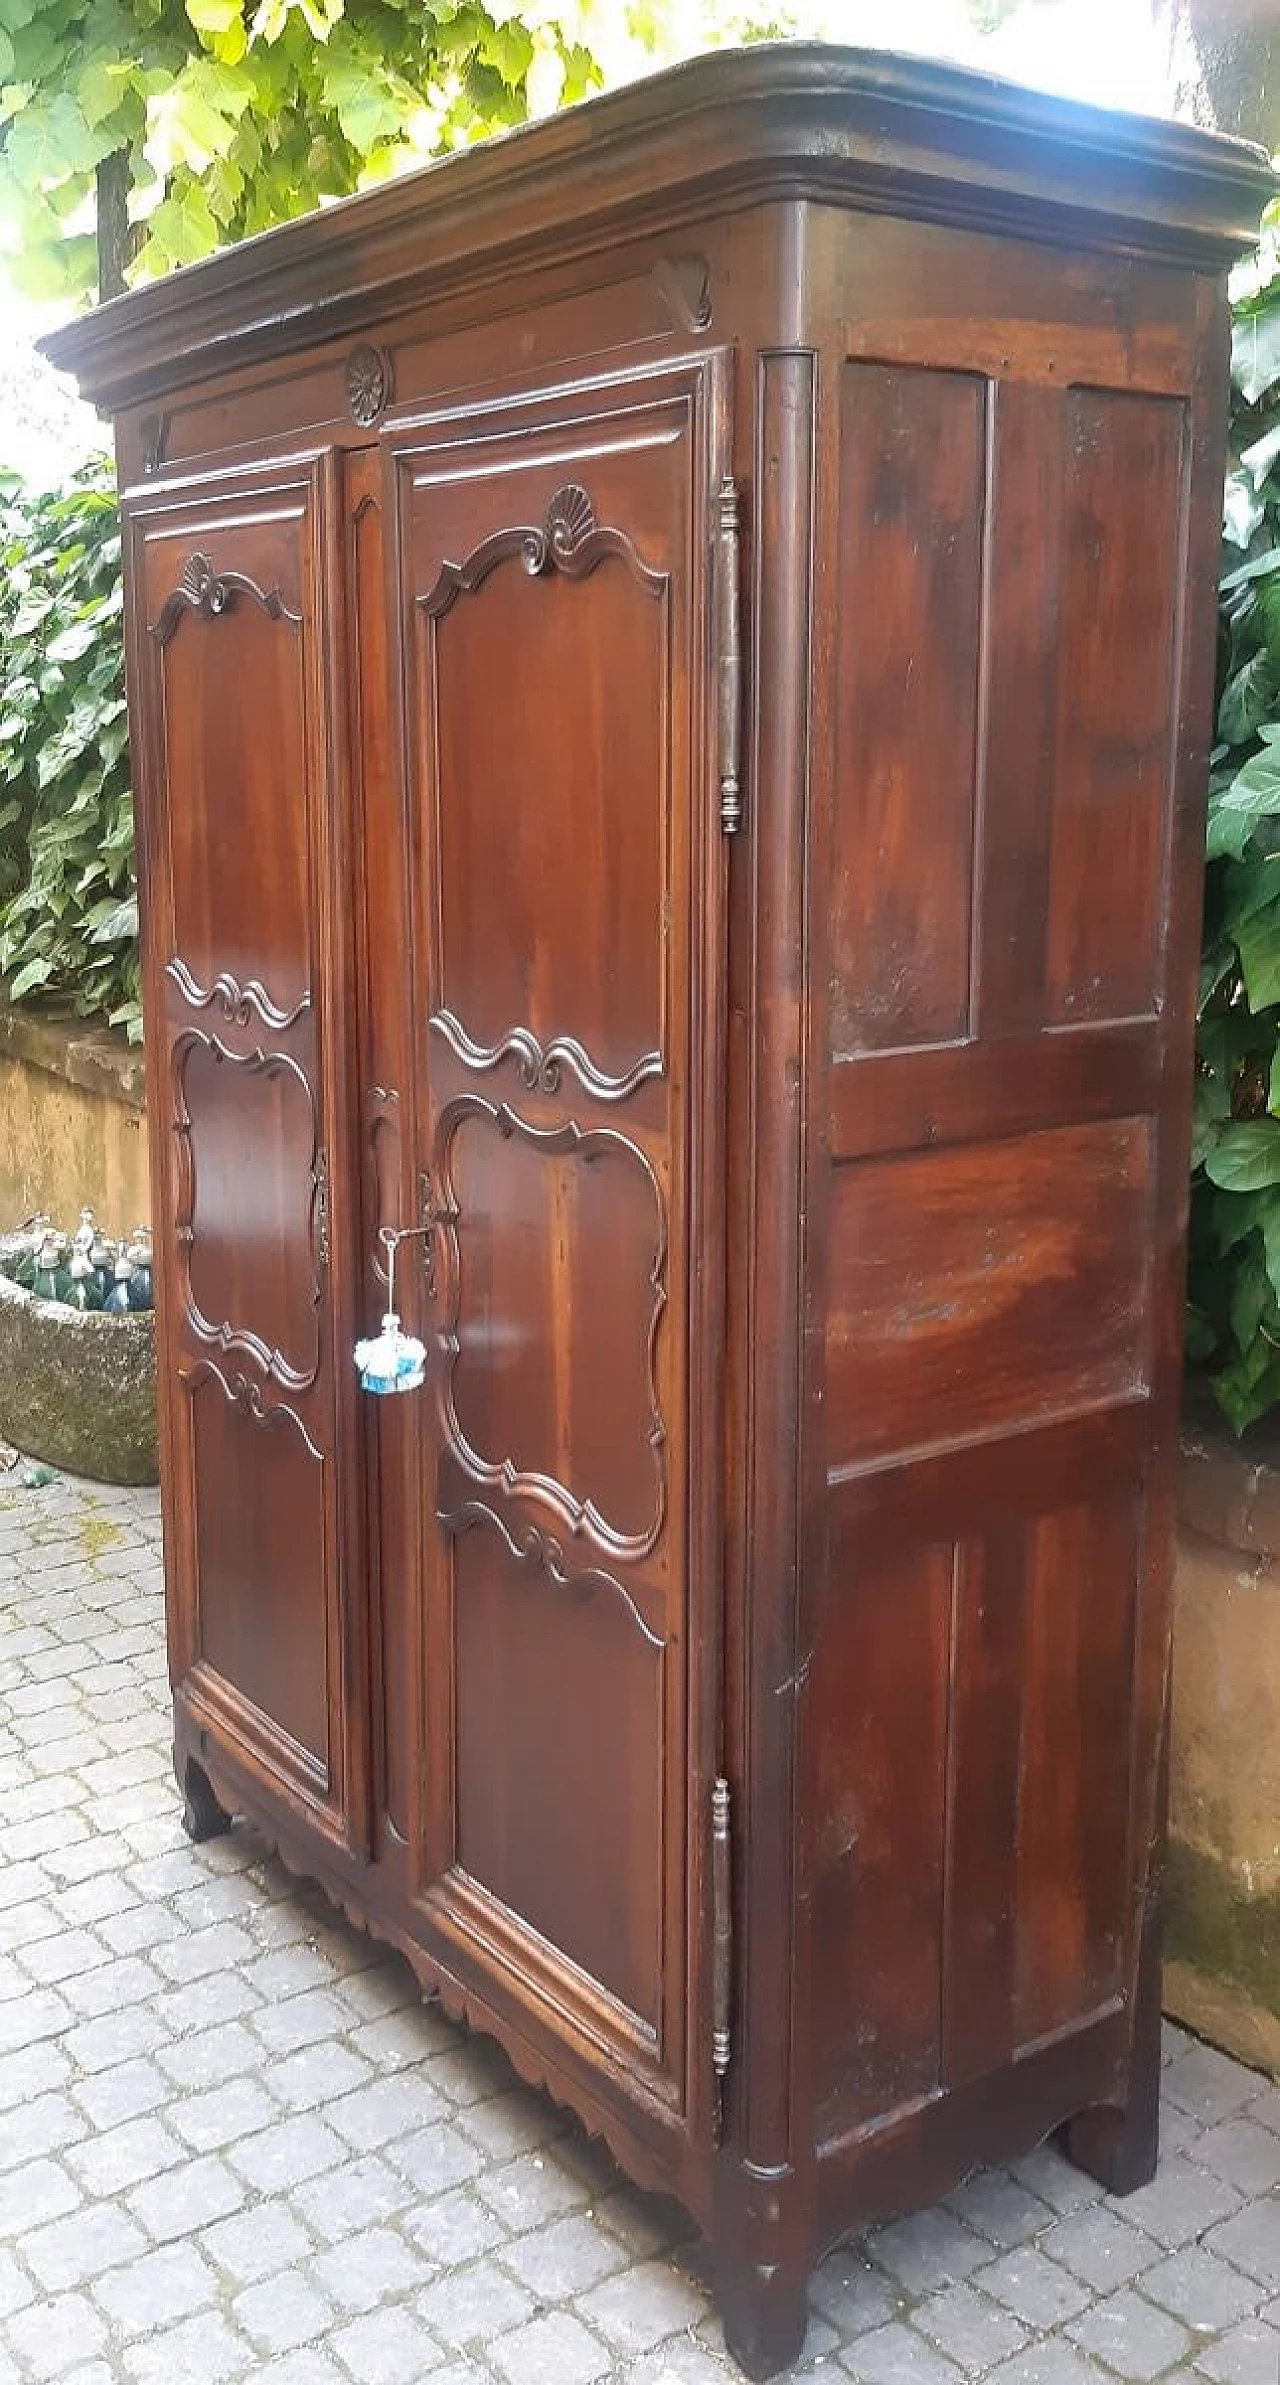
(1246, 2355)
(1101, 2247)
(282, 2312)
(1001, 2208)
(316, 2074)
(472, 2305)
(642, 2306)
(388, 2347)
(527, 2192)
(932, 2248)
(1051, 2362)
(124, 2093)
(215, 2055)
(1181, 2202)
(256, 2243)
(16, 2288)
(553, 2350)
(287, 2153)
(51, 2336)
(183, 2200)
(437, 2158)
(1243, 2152)
(39, 2191)
(1131, 2335)
(969, 2327)
(1206, 2083)
(453, 2228)
(371, 2268)
(1033, 2287)
(896, 2355)
(373, 2115)
(1252, 2240)
(343, 2202)
(222, 2114)
(156, 2290)
(202, 2350)
(44, 2125)
(1201, 2289)
(73, 2250)
(120, 2157)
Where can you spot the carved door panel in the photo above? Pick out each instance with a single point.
(555, 562)
(230, 635)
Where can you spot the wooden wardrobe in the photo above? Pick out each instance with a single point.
(671, 670)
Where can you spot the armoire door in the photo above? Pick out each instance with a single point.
(556, 566)
(234, 697)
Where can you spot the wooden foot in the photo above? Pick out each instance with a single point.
(765, 2318)
(1120, 2144)
(202, 1816)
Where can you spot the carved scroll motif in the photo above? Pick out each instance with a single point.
(530, 1546)
(538, 1065)
(581, 1515)
(239, 1392)
(569, 539)
(237, 1002)
(209, 593)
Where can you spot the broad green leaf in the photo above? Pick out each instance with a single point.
(1255, 353)
(1249, 697)
(214, 16)
(1258, 943)
(1252, 796)
(1246, 1157)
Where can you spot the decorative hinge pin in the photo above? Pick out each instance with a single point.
(721, 1927)
(729, 639)
(321, 1179)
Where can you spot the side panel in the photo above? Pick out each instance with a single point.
(1004, 1045)
(230, 592)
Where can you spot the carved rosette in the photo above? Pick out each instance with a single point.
(368, 383)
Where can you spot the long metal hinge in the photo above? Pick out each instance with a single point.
(721, 1927)
(729, 657)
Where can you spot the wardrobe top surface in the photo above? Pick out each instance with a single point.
(792, 120)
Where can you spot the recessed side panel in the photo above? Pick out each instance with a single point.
(1117, 631)
(986, 1285)
(879, 1713)
(912, 502)
(970, 1711)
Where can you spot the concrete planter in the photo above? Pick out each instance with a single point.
(78, 1389)
(71, 1097)
(1222, 1973)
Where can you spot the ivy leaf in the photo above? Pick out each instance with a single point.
(1249, 698)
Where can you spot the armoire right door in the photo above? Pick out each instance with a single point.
(555, 562)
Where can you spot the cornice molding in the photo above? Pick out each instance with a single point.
(799, 120)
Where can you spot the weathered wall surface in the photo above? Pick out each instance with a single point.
(72, 1129)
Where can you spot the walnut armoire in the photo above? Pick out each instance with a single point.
(671, 670)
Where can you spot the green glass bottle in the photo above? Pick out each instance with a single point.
(24, 1272)
(116, 1303)
(102, 1259)
(52, 1277)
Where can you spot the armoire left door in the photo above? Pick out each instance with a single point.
(237, 745)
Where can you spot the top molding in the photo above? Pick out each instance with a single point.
(790, 120)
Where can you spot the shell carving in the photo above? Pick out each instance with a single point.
(570, 520)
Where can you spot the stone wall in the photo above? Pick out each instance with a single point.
(1222, 1972)
(72, 1128)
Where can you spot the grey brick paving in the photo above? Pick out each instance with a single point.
(234, 2143)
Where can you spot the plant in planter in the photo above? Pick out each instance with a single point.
(77, 1350)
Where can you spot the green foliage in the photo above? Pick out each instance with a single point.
(234, 114)
(1234, 1319)
(68, 903)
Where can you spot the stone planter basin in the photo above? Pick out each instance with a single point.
(77, 1388)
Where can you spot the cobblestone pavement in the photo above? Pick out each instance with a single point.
(234, 2142)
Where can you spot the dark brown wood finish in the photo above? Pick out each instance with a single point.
(739, 1679)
